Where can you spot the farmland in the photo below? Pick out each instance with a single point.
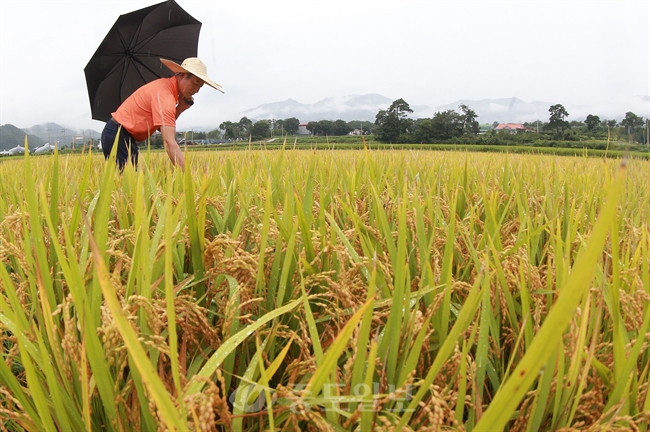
(325, 290)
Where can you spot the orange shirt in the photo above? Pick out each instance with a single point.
(149, 107)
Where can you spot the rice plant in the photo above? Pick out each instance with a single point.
(325, 290)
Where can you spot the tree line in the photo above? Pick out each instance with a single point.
(246, 129)
(394, 126)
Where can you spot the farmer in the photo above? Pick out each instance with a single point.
(156, 106)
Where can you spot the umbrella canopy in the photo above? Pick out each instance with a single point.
(129, 56)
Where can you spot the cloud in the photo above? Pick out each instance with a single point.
(387, 48)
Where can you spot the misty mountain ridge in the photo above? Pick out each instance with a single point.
(348, 108)
(52, 132)
(11, 136)
(37, 135)
(503, 110)
(366, 107)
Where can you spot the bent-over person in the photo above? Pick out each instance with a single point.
(156, 106)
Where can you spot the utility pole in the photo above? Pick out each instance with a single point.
(629, 135)
(65, 141)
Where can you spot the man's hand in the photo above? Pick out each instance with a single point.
(171, 146)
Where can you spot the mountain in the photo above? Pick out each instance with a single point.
(348, 108)
(52, 132)
(366, 107)
(505, 110)
(11, 136)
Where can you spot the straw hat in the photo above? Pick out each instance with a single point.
(194, 66)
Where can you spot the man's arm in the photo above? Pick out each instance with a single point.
(171, 146)
(169, 135)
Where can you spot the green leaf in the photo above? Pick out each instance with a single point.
(196, 236)
(229, 346)
(315, 384)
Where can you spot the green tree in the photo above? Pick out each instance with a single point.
(393, 122)
(592, 122)
(470, 125)
(214, 134)
(423, 132)
(231, 129)
(261, 129)
(245, 125)
(446, 125)
(291, 125)
(634, 127)
(314, 128)
(557, 119)
(322, 127)
(340, 128)
(632, 122)
(327, 126)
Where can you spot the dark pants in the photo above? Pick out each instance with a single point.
(125, 143)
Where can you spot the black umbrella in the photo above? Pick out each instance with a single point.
(129, 56)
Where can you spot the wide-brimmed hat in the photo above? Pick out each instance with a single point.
(194, 66)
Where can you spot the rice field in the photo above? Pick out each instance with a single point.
(325, 291)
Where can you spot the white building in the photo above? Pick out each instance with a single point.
(302, 129)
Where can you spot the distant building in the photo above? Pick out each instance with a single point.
(484, 128)
(512, 128)
(302, 129)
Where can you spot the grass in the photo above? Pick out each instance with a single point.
(348, 290)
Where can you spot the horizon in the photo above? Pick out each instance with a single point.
(429, 113)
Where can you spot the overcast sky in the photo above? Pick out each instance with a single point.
(590, 56)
